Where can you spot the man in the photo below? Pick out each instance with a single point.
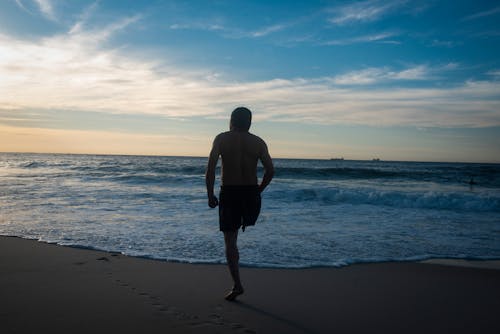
(240, 199)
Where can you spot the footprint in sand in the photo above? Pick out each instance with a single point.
(214, 316)
(197, 324)
(155, 301)
(217, 319)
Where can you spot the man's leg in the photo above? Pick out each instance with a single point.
(233, 257)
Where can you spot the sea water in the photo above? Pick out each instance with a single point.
(314, 213)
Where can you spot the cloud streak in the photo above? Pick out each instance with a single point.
(231, 32)
(360, 12)
(47, 9)
(378, 75)
(268, 30)
(197, 26)
(482, 14)
(380, 37)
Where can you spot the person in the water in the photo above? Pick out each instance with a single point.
(239, 200)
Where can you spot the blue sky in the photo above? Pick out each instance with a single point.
(397, 80)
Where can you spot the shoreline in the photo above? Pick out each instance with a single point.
(489, 263)
(468, 263)
(47, 287)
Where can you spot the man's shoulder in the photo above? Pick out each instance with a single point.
(221, 136)
(256, 138)
(230, 135)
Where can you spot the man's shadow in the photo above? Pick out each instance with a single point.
(273, 316)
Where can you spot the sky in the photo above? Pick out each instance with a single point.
(394, 79)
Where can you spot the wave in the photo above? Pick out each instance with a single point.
(442, 174)
(155, 179)
(321, 173)
(419, 200)
(158, 170)
(302, 173)
(487, 175)
(141, 169)
(33, 164)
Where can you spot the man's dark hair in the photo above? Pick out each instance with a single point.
(241, 118)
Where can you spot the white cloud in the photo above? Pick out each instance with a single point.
(365, 11)
(380, 37)
(495, 73)
(446, 44)
(450, 66)
(91, 38)
(489, 12)
(75, 71)
(376, 75)
(268, 30)
(473, 104)
(362, 77)
(87, 13)
(197, 26)
(420, 72)
(234, 33)
(22, 6)
(46, 8)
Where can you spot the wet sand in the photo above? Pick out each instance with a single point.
(53, 289)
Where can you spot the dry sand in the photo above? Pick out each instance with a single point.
(52, 289)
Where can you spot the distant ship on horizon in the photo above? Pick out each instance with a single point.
(342, 159)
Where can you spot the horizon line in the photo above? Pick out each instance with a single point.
(278, 157)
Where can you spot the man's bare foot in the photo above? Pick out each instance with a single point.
(235, 292)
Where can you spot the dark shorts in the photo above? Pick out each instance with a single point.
(239, 206)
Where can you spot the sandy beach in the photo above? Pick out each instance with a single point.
(49, 288)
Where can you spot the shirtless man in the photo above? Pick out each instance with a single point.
(240, 199)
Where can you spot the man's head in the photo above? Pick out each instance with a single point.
(241, 118)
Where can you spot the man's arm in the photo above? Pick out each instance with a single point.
(210, 173)
(267, 162)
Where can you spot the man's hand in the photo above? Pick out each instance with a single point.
(213, 201)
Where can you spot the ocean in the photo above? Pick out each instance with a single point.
(314, 213)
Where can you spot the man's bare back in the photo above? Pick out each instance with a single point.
(240, 152)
